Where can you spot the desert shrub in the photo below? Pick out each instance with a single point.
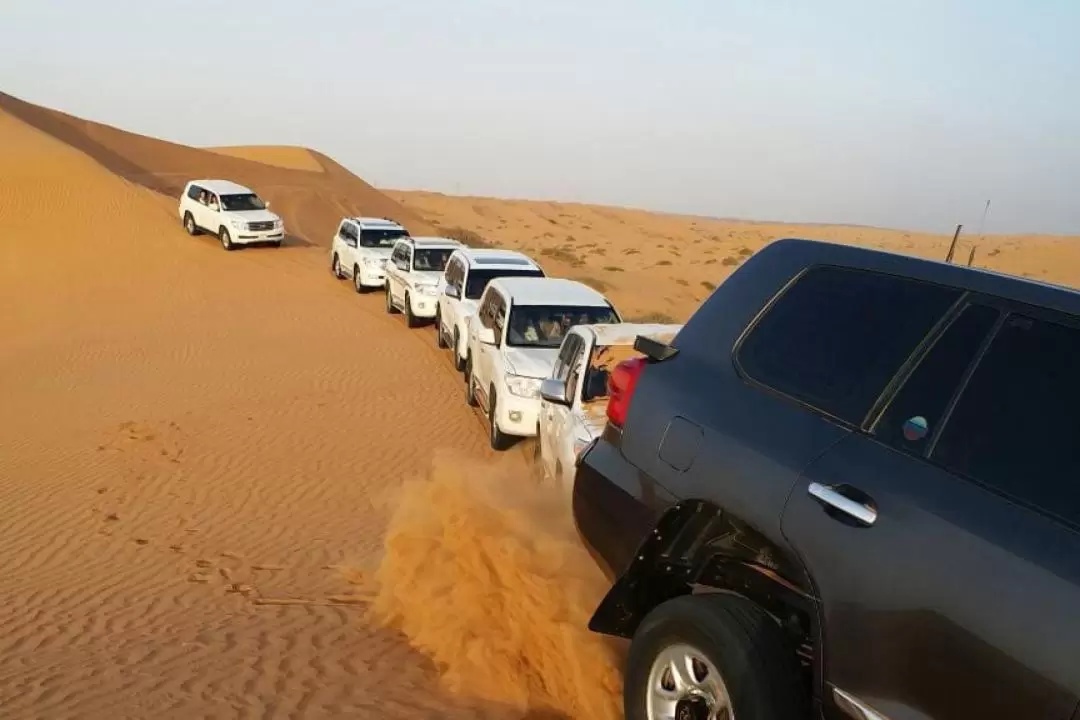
(664, 262)
(708, 285)
(595, 283)
(613, 268)
(729, 261)
(470, 238)
(651, 317)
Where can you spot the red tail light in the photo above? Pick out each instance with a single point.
(621, 384)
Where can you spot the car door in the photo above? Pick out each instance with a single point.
(393, 271)
(348, 241)
(447, 305)
(943, 536)
(560, 420)
(549, 440)
(482, 318)
(490, 359)
(212, 213)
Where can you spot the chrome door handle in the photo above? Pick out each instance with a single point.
(826, 495)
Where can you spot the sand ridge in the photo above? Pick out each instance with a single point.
(284, 156)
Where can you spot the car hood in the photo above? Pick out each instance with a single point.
(530, 362)
(467, 308)
(379, 252)
(252, 215)
(427, 277)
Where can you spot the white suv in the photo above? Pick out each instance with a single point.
(513, 342)
(467, 274)
(235, 214)
(361, 249)
(414, 276)
(573, 408)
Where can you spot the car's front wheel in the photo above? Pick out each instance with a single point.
(226, 239)
(459, 362)
(440, 338)
(358, 284)
(496, 437)
(189, 224)
(390, 309)
(410, 319)
(335, 267)
(712, 656)
(470, 383)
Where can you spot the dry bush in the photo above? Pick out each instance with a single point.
(613, 268)
(470, 238)
(651, 317)
(595, 283)
(708, 285)
(562, 255)
(664, 262)
(729, 261)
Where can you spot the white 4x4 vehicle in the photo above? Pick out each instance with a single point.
(414, 276)
(467, 274)
(235, 214)
(573, 408)
(361, 249)
(514, 340)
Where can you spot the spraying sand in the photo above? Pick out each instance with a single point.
(484, 574)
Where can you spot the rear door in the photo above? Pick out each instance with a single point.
(553, 423)
(941, 535)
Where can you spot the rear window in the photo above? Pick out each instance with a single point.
(836, 337)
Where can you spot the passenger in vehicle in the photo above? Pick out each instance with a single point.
(523, 330)
(213, 202)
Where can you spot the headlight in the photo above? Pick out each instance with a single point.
(428, 289)
(279, 223)
(526, 387)
(372, 261)
(238, 224)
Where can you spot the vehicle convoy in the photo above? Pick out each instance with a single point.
(513, 342)
(414, 276)
(467, 274)
(361, 248)
(848, 488)
(231, 212)
(574, 397)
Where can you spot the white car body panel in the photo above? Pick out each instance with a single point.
(370, 262)
(565, 431)
(420, 288)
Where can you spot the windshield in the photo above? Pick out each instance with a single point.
(544, 326)
(478, 279)
(380, 238)
(433, 259)
(249, 201)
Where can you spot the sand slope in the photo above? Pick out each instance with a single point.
(293, 158)
(657, 263)
(189, 433)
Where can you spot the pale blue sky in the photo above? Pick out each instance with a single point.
(904, 114)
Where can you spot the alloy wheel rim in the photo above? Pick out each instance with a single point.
(684, 684)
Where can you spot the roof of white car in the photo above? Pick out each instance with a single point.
(549, 291)
(497, 259)
(374, 223)
(626, 333)
(222, 187)
(433, 242)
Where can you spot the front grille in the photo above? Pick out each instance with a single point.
(261, 226)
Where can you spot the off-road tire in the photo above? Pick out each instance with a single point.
(459, 362)
(496, 438)
(335, 268)
(410, 319)
(357, 283)
(470, 384)
(440, 339)
(190, 226)
(226, 239)
(755, 658)
(390, 309)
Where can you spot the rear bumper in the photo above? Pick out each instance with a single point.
(615, 506)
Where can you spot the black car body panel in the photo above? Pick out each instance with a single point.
(958, 601)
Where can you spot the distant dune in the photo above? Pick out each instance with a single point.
(293, 158)
(661, 263)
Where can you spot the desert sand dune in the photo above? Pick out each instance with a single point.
(293, 158)
(197, 443)
(654, 263)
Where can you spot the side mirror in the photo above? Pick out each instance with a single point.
(554, 391)
(486, 335)
(452, 291)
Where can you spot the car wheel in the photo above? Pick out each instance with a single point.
(390, 309)
(459, 364)
(335, 267)
(189, 224)
(440, 338)
(226, 239)
(470, 384)
(410, 319)
(357, 283)
(712, 656)
(498, 439)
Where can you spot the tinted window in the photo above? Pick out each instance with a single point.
(379, 238)
(1015, 426)
(912, 417)
(431, 259)
(242, 202)
(478, 279)
(836, 337)
(545, 326)
(193, 192)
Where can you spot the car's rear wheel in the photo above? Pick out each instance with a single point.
(335, 267)
(440, 338)
(357, 283)
(390, 309)
(410, 319)
(712, 656)
(459, 363)
(496, 437)
(226, 239)
(189, 224)
(470, 384)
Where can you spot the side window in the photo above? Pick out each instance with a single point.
(573, 379)
(836, 336)
(911, 420)
(1014, 427)
(566, 354)
(498, 315)
(193, 192)
(484, 311)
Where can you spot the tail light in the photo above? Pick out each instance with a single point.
(621, 384)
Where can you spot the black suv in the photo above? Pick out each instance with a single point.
(849, 487)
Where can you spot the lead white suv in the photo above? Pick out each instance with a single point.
(414, 276)
(467, 274)
(361, 249)
(514, 340)
(234, 213)
(574, 398)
